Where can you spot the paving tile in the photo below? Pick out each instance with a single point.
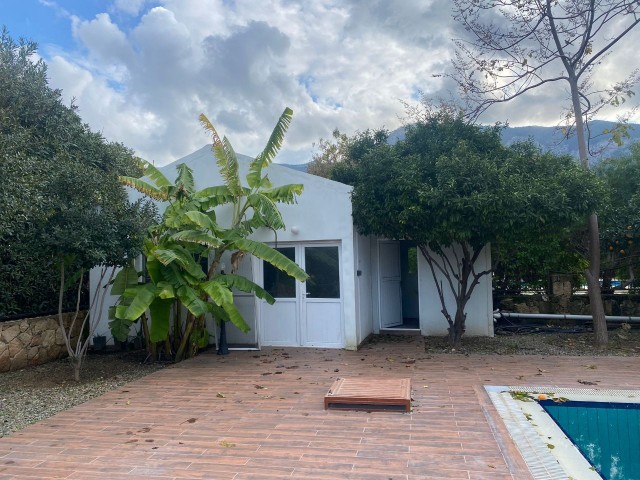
(175, 426)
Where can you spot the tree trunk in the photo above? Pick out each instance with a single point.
(177, 326)
(593, 271)
(458, 328)
(185, 339)
(77, 363)
(593, 282)
(607, 277)
(151, 346)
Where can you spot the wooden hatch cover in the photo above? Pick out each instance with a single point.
(370, 394)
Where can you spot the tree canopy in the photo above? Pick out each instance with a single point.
(452, 187)
(621, 217)
(60, 200)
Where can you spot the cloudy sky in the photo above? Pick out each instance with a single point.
(141, 71)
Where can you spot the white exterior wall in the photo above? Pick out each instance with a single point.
(479, 309)
(364, 298)
(432, 322)
(375, 283)
(322, 214)
(103, 325)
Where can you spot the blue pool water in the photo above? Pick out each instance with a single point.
(607, 434)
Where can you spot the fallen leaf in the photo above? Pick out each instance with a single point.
(219, 395)
(586, 382)
(227, 444)
(591, 367)
(260, 387)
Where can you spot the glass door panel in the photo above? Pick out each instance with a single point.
(322, 264)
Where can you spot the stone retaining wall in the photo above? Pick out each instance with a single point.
(33, 341)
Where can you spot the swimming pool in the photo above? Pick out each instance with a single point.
(606, 433)
(547, 449)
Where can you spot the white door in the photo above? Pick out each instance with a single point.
(305, 314)
(322, 299)
(279, 323)
(246, 304)
(390, 293)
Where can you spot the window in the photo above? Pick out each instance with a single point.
(276, 282)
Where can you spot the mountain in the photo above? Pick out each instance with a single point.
(301, 167)
(549, 138)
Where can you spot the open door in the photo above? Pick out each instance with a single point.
(390, 293)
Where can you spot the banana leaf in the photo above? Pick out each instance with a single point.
(160, 310)
(272, 256)
(142, 297)
(243, 284)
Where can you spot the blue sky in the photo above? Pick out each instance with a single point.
(44, 24)
(141, 71)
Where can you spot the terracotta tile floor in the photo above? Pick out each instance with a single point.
(259, 415)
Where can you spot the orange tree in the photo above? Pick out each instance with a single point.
(453, 188)
(620, 234)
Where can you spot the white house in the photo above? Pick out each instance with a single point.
(358, 285)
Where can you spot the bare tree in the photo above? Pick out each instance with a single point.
(517, 46)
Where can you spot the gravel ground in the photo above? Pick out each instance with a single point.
(33, 394)
(30, 395)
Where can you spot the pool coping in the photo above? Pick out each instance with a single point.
(545, 449)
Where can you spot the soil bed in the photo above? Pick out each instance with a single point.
(622, 343)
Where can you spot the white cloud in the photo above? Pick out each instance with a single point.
(143, 79)
(132, 7)
(102, 38)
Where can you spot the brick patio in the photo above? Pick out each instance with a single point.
(259, 415)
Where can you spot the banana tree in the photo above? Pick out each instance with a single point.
(191, 234)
